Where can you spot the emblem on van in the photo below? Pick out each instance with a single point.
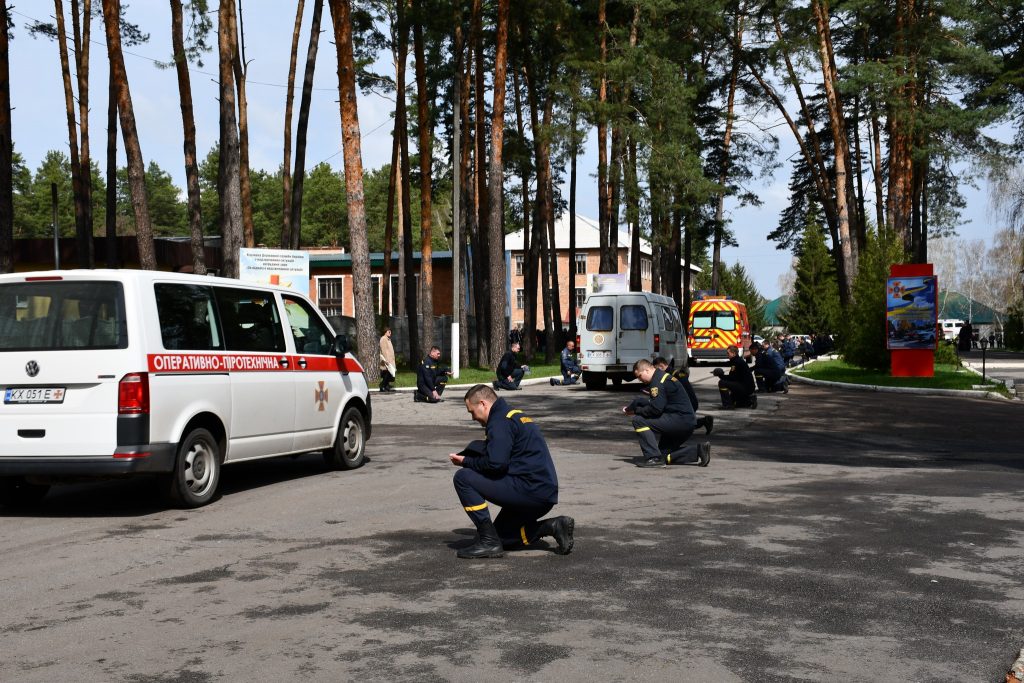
(320, 396)
(31, 368)
(599, 339)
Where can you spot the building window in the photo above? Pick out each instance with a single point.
(395, 291)
(520, 299)
(581, 297)
(329, 295)
(581, 264)
(519, 264)
(375, 293)
(645, 268)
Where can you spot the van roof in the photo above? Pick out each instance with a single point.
(131, 274)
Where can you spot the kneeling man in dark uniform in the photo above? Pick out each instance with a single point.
(664, 420)
(511, 468)
(431, 378)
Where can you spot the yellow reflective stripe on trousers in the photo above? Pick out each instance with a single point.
(474, 508)
(522, 532)
(512, 412)
(668, 458)
(644, 429)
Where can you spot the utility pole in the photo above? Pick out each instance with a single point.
(56, 229)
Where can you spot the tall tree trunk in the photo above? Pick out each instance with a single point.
(529, 268)
(426, 132)
(496, 234)
(544, 248)
(572, 223)
(286, 166)
(607, 264)
(723, 176)
(113, 253)
(389, 232)
(241, 68)
(402, 125)
(633, 217)
(83, 40)
(362, 286)
(6, 153)
(837, 124)
(133, 151)
(684, 288)
(299, 175)
(465, 212)
(901, 122)
(480, 261)
(614, 175)
(81, 233)
(227, 174)
(555, 331)
(195, 218)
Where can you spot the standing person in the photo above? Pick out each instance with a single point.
(683, 376)
(431, 378)
(737, 388)
(664, 420)
(388, 367)
(788, 349)
(965, 337)
(570, 368)
(509, 373)
(511, 468)
(515, 335)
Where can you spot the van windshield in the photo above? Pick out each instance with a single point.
(59, 315)
(599, 319)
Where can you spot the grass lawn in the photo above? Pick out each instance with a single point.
(946, 376)
(407, 377)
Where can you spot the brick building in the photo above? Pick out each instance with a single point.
(588, 258)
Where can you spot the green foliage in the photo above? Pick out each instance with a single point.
(946, 354)
(863, 341)
(166, 208)
(736, 283)
(33, 208)
(814, 306)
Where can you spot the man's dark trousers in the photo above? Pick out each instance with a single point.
(517, 522)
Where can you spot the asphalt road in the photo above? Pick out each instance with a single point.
(835, 536)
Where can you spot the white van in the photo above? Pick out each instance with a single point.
(616, 330)
(950, 328)
(119, 372)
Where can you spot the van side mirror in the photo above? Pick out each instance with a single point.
(341, 345)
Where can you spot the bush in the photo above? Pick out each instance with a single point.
(946, 353)
(863, 338)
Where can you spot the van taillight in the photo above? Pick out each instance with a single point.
(577, 341)
(657, 343)
(133, 394)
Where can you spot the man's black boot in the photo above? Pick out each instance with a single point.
(488, 544)
(560, 528)
(709, 423)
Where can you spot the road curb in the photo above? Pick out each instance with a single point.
(924, 391)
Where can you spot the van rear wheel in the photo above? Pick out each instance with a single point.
(17, 492)
(193, 483)
(349, 450)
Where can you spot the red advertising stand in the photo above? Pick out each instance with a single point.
(913, 352)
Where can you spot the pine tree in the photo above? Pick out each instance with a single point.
(814, 306)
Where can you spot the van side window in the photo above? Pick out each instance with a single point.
(666, 314)
(250, 320)
(633, 317)
(599, 319)
(310, 333)
(187, 320)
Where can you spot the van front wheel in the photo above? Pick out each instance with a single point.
(196, 474)
(349, 448)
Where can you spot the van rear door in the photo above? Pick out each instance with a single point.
(635, 325)
(62, 355)
(597, 339)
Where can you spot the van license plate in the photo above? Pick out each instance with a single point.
(599, 354)
(34, 395)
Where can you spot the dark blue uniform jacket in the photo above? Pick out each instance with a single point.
(426, 375)
(515, 449)
(667, 397)
(507, 364)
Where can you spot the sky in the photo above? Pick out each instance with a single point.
(40, 124)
